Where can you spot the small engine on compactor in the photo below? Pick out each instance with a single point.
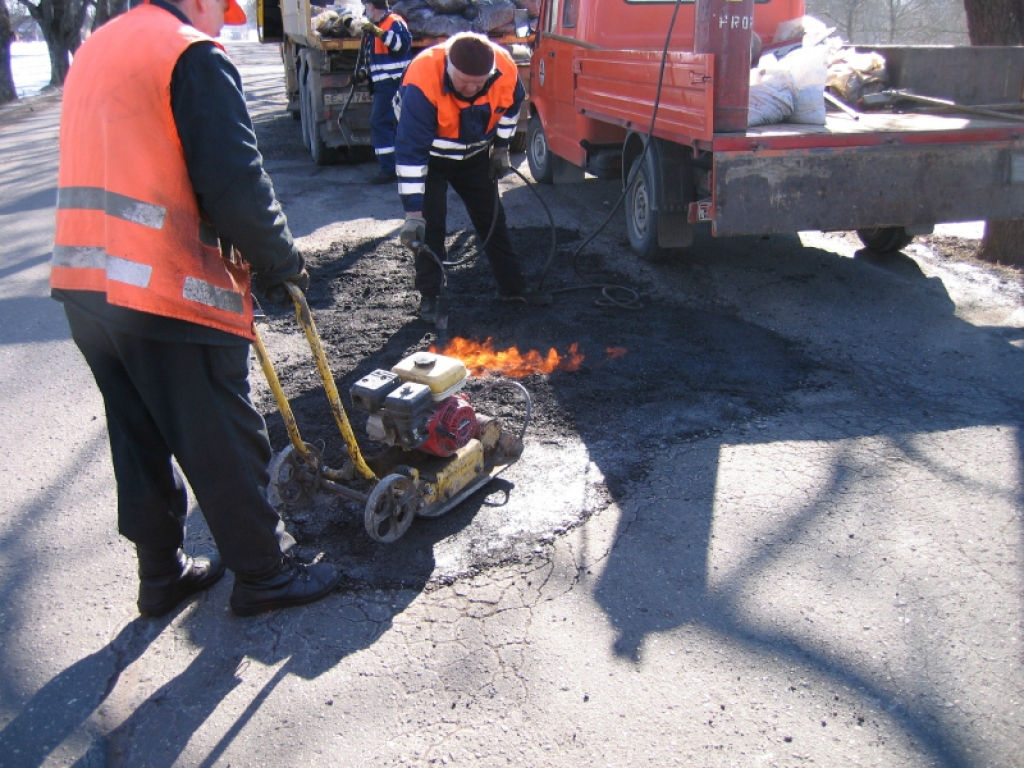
(416, 404)
(438, 448)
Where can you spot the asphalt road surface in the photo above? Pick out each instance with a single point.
(784, 529)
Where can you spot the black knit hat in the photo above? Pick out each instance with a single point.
(471, 54)
(380, 5)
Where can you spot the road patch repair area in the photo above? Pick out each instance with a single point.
(762, 479)
(609, 388)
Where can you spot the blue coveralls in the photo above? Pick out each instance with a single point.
(388, 58)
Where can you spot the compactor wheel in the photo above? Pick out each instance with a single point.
(294, 479)
(390, 509)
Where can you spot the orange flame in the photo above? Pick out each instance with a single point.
(614, 353)
(482, 358)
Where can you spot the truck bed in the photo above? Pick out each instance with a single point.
(620, 87)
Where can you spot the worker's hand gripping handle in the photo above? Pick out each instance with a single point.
(413, 231)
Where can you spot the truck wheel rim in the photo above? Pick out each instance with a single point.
(639, 208)
(540, 149)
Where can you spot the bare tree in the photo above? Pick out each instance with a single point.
(106, 10)
(873, 22)
(844, 15)
(999, 22)
(7, 90)
(61, 22)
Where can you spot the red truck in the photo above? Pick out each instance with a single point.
(886, 174)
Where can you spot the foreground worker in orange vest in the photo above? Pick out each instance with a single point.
(459, 108)
(160, 182)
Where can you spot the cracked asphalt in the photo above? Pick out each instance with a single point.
(822, 566)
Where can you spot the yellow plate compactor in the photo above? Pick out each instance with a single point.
(438, 448)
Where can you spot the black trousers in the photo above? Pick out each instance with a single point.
(471, 180)
(189, 401)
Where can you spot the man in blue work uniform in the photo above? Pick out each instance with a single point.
(460, 105)
(388, 51)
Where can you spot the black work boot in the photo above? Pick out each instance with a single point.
(384, 177)
(290, 583)
(428, 309)
(166, 577)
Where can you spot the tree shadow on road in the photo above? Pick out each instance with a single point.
(916, 371)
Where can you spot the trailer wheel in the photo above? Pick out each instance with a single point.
(641, 217)
(322, 154)
(885, 239)
(538, 156)
(303, 108)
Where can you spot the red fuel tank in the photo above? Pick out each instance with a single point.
(723, 28)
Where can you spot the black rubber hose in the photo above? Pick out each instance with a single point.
(490, 233)
(352, 90)
(631, 179)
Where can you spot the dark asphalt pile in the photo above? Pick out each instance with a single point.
(648, 378)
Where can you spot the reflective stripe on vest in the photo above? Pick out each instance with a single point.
(112, 204)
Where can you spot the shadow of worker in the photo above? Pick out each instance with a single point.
(305, 641)
(61, 706)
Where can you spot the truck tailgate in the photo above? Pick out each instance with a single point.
(881, 170)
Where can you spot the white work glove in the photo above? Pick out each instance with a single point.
(500, 164)
(413, 231)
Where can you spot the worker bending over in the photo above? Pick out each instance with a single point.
(388, 52)
(163, 208)
(459, 108)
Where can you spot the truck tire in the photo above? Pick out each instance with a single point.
(641, 218)
(538, 156)
(318, 149)
(303, 108)
(518, 142)
(885, 239)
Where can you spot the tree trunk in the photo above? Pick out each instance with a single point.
(7, 90)
(998, 22)
(995, 22)
(106, 10)
(60, 21)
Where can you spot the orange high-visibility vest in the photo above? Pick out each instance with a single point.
(379, 46)
(128, 224)
(427, 73)
(385, 63)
